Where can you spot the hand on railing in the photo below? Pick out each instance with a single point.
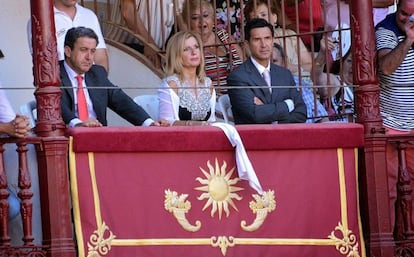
(19, 127)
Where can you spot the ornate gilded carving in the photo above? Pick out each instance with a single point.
(98, 245)
(219, 189)
(223, 242)
(178, 206)
(263, 205)
(348, 244)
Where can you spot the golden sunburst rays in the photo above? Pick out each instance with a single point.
(219, 189)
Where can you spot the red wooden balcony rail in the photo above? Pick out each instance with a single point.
(25, 194)
(53, 148)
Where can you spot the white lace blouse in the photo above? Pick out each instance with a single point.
(199, 105)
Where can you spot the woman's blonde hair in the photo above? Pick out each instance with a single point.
(174, 55)
(190, 6)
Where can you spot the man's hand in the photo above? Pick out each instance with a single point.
(91, 122)
(20, 126)
(161, 123)
(409, 30)
(257, 101)
(327, 43)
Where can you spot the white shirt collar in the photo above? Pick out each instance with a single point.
(260, 67)
(72, 75)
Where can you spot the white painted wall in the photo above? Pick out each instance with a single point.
(16, 66)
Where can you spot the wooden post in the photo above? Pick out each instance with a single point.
(52, 152)
(373, 174)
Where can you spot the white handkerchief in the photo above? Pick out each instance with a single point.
(244, 166)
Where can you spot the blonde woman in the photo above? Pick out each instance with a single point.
(186, 95)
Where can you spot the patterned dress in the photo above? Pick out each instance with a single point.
(218, 67)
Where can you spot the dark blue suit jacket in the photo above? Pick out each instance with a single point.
(103, 95)
(274, 107)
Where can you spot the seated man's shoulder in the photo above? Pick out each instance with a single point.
(280, 69)
(98, 69)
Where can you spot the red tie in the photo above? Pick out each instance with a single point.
(82, 106)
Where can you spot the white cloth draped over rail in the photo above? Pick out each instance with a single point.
(244, 166)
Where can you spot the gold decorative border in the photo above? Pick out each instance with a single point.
(223, 241)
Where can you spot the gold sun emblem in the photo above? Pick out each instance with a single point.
(219, 189)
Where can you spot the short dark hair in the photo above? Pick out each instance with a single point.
(254, 24)
(74, 33)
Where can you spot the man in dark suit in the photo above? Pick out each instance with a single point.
(255, 98)
(97, 92)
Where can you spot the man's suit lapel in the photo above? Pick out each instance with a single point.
(96, 95)
(260, 86)
(67, 84)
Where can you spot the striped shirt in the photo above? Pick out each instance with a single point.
(397, 89)
(218, 67)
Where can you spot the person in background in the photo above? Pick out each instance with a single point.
(14, 125)
(260, 91)
(86, 89)
(339, 81)
(395, 56)
(221, 54)
(333, 19)
(316, 112)
(229, 16)
(187, 96)
(69, 14)
(152, 20)
(306, 23)
(394, 39)
(298, 58)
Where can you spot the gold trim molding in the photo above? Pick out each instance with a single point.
(98, 245)
(348, 245)
(263, 205)
(179, 206)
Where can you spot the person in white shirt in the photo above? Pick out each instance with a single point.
(69, 14)
(15, 126)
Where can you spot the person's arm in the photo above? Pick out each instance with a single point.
(382, 3)
(245, 107)
(101, 54)
(101, 58)
(389, 60)
(239, 50)
(19, 127)
(377, 3)
(319, 77)
(299, 113)
(166, 98)
(134, 23)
